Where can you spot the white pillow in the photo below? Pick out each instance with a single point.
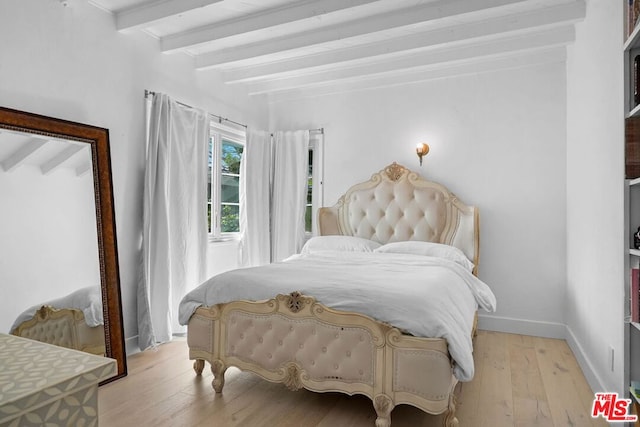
(339, 243)
(439, 250)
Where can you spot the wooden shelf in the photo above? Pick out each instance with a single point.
(633, 39)
(635, 181)
(635, 112)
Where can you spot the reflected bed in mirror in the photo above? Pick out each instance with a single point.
(58, 260)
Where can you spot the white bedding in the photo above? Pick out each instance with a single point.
(88, 300)
(422, 295)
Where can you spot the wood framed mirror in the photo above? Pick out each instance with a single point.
(55, 156)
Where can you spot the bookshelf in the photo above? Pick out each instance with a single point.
(631, 52)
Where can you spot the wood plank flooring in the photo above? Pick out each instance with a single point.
(519, 381)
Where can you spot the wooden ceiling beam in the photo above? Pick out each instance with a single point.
(256, 22)
(22, 154)
(83, 168)
(150, 12)
(60, 158)
(446, 71)
(428, 60)
(457, 34)
(424, 13)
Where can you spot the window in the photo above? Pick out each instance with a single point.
(314, 185)
(308, 214)
(223, 191)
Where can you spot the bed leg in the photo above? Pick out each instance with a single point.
(450, 419)
(218, 369)
(198, 366)
(383, 406)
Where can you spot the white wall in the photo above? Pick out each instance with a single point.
(498, 141)
(71, 63)
(595, 198)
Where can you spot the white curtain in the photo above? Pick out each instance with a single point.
(174, 223)
(255, 174)
(288, 192)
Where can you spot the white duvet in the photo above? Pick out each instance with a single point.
(422, 295)
(88, 299)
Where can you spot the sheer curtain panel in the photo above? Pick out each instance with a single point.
(289, 192)
(174, 225)
(255, 174)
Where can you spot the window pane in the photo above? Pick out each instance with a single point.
(231, 154)
(309, 191)
(209, 216)
(230, 189)
(230, 219)
(307, 219)
(310, 162)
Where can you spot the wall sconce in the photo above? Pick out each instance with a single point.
(421, 151)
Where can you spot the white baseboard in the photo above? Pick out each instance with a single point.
(131, 345)
(590, 374)
(545, 330)
(523, 327)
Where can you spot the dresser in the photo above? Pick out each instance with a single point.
(42, 384)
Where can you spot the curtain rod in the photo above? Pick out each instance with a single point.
(219, 118)
(319, 130)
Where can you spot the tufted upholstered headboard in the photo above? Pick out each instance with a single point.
(396, 204)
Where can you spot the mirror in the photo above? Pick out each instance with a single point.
(58, 231)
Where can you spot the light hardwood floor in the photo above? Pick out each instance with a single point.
(519, 381)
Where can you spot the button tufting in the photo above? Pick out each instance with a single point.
(260, 340)
(301, 346)
(348, 354)
(280, 342)
(324, 349)
(335, 366)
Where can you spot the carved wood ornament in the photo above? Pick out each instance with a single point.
(395, 171)
(295, 302)
(291, 378)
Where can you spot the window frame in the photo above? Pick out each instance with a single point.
(217, 133)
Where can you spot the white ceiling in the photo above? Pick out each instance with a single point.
(282, 47)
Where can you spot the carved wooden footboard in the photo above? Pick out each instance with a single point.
(294, 340)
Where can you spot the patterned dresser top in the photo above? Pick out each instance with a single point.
(33, 374)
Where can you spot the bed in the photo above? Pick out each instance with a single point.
(73, 321)
(382, 303)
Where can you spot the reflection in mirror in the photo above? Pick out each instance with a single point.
(48, 225)
(58, 258)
